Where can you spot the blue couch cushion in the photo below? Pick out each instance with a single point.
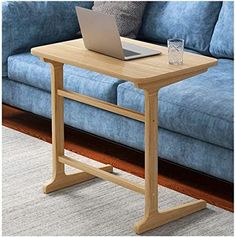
(192, 21)
(29, 70)
(26, 24)
(193, 153)
(222, 39)
(200, 107)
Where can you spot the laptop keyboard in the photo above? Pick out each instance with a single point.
(128, 53)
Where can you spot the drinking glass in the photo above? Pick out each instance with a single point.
(175, 51)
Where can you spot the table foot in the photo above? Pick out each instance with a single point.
(159, 218)
(65, 180)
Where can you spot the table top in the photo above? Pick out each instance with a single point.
(142, 70)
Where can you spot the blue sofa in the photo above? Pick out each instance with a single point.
(195, 116)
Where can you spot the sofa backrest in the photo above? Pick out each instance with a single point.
(28, 24)
(192, 21)
(221, 45)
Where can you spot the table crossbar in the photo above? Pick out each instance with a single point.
(101, 104)
(102, 174)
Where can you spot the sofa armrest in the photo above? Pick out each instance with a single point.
(28, 24)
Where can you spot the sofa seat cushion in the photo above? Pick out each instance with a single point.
(221, 45)
(183, 150)
(192, 21)
(28, 69)
(200, 107)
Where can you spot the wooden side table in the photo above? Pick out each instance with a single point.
(149, 74)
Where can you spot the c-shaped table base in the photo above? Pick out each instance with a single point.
(152, 216)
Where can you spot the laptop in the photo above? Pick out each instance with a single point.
(100, 34)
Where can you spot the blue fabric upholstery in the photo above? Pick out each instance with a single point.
(192, 21)
(26, 24)
(222, 39)
(193, 153)
(200, 107)
(29, 70)
(195, 116)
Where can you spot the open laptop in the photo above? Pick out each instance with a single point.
(100, 34)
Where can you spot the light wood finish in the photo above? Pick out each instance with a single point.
(101, 174)
(151, 129)
(59, 179)
(101, 104)
(150, 74)
(57, 107)
(166, 82)
(67, 180)
(159, 218)
(153, 217)
(142, 70)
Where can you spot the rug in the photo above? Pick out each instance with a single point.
(95, 207)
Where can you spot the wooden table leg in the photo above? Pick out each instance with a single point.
(59, 178)
(151, 131)
(153, 217)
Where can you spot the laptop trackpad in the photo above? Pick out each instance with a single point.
(129, 53)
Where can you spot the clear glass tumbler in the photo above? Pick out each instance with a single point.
(175, 51)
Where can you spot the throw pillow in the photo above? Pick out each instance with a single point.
(128, 15)
(193, 21)
(221, 45)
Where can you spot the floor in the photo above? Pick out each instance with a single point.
(194, 184)
(93, 208)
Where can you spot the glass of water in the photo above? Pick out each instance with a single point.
(175, 51)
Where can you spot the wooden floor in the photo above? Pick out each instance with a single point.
(187, 181)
